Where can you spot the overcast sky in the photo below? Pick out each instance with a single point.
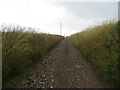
(47, 14)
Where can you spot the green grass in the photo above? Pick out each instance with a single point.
(100, 46)
(21, 49)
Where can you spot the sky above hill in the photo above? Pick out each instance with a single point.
(75, 15)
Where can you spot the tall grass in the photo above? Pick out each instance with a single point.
(21, 49)
(100, 46)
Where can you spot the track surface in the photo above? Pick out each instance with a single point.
(63, 67)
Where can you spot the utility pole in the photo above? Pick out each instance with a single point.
(60, 27)
(69, 32)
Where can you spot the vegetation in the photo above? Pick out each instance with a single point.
(21, 49)
(100, 46)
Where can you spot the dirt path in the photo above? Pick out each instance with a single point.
(64, 67)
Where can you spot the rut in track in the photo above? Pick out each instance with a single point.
(63, 67)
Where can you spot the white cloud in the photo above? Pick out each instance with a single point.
(81, 0)
(47, 15)
(34, 13)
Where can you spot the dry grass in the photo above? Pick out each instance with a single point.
(21, 49)
(100, 46)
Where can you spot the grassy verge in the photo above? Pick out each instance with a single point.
(21, 49)
(100, 46)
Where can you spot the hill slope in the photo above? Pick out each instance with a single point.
(100, 46)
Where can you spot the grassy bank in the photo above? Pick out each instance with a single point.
(100, 46)
(21, 49)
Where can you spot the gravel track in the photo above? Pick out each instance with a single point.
(63, 67)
